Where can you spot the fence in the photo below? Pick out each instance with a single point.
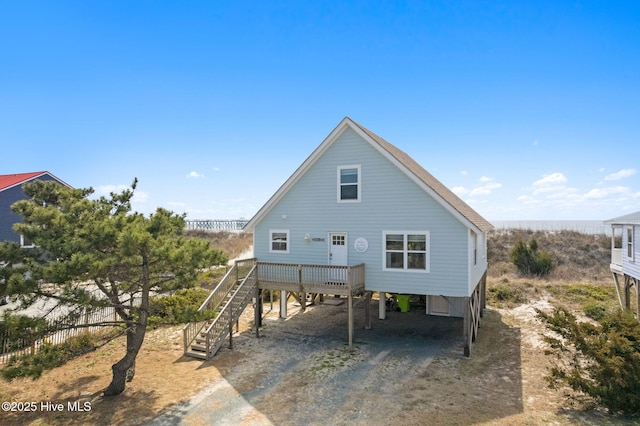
(74, 324)
(594, 227)
(216, 225)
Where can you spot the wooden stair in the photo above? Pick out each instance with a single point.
(229, 299)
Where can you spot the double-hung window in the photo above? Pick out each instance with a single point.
(279, 241)
(630, 242)
(406, 251)
(349, 184)
(474, 248)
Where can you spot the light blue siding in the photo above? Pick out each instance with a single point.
(631, 266)
(390, 201)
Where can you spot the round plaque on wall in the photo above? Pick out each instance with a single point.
(361, 245)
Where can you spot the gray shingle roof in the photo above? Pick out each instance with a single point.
(427, 178)
(628, 218)
(403, 160)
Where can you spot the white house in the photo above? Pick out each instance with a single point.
(625, 257)
(360, 203)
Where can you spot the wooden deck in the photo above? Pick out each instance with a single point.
(318, 279)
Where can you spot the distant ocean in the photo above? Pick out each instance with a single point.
(583, 226)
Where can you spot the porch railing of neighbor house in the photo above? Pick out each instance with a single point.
(616, 256)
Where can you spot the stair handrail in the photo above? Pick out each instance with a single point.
(212, 302)
(232, 299)
(191, 330)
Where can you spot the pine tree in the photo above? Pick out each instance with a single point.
(97, 252)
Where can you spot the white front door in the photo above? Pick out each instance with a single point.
(338, 250)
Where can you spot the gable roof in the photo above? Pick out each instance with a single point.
(400, 159)
(9, 181)
(628, 219)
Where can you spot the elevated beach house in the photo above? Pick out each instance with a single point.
(625, 257)
(362, 206)
(358, 217)
(10, 192)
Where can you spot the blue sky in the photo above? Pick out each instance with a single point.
(527, 110)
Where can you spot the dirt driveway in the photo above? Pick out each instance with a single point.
(408, 369)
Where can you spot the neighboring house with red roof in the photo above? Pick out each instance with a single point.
(10, 192)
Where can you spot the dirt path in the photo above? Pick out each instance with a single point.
(408, 369)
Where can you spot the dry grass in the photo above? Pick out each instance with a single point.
(581, 280)
(579, 257)
(232, 243)
(502, 383)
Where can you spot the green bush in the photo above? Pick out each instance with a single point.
(18, 331)
(601, 361)
(595, 310)
(591, 292)
(180, 308)
(211, 277)
(506, 294)
(48, 356)
(529, 260)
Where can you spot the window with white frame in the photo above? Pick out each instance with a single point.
(279, 241)
(349, 184)
(630, 242)
(406, 251)
(25, 242)
(474, 248)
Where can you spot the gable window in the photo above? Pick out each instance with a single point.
(406, 251)
(279, 241)
(349, 184)
(630, 242)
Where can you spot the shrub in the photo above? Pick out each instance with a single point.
(595, 310)
(179, 308)
(601, 361)
(19, 331)
(509, 294)
(529, 260)
(48, 356)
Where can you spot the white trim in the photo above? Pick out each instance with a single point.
(405, 252)
(426, 188)
(300, 171)
(629, 244)
(287, 242)
(473, 255)
(36, 177)
(322, 148)
(23, 245)
(358, 168)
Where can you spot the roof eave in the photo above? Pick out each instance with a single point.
(288, 184)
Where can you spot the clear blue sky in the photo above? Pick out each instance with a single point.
(527, 110)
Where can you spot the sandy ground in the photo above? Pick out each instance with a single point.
(408, 369)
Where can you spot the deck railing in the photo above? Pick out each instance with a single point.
(311, 278)
(616, 256)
